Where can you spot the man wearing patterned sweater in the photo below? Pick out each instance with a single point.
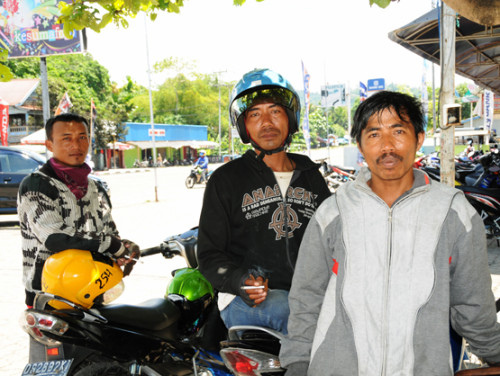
(60, 208)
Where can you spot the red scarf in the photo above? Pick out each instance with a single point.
(76, 178)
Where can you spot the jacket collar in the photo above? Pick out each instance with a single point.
(421, 181)
(302, 162)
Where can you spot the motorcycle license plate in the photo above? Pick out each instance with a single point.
(50, 368)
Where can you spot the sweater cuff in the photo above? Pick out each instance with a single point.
(116, 247)
(239, 276)
(297, 369)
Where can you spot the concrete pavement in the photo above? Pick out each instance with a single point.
(140, 218)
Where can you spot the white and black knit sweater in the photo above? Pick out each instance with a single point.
(52, 219)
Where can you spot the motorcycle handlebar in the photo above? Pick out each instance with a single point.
(151, 251)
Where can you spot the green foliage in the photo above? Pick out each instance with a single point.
(97, 14)
(381, 3)
(84, 79)
(186, 98)
(5, 73)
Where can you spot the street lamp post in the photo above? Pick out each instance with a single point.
(114, 150)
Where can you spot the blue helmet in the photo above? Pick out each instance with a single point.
(259, 84)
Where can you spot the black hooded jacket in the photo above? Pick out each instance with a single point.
(245, 221)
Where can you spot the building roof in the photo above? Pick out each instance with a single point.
(477, 48)
(16, 92)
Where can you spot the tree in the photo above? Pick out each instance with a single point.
(80, 14)
(187, 97)
(84, 79)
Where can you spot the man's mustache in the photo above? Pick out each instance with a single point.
(387, 155)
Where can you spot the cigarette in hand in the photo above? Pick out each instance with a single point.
(252, 287)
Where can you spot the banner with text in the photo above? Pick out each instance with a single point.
(488, 109)
(4, 121)
(29, 28)
(305, 123)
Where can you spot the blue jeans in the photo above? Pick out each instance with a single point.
(272, 313)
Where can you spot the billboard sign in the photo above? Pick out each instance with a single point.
(333, 95)
(376, 84)
(30, 28)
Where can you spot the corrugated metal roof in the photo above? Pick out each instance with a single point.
(477, 48)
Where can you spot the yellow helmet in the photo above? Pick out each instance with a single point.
(81, 277)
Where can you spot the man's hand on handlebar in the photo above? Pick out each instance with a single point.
(128, 256)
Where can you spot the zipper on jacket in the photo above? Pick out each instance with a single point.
(287, 245)
(385, 320)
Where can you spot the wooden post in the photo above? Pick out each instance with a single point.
(447, 93)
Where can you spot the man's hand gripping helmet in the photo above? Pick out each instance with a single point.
(81, 277)
(258, 85)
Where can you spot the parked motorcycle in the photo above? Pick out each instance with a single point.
(477, 183)
(139, 164)
(336, 175)
(196, 177)
(179, 334)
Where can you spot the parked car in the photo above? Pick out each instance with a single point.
(343, 141)
(15, 165)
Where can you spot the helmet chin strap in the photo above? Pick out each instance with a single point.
(264, 152)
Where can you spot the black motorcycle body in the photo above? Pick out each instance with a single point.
(162, 336)
(485, 200)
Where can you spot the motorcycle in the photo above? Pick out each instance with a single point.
(335, 175)
(179, 334)
(196, 177)
(479, 189)
(139, 164)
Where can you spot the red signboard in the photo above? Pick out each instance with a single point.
(4, 121)
(158, 132)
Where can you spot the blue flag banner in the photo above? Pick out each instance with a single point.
(305, 122)
(362, 91)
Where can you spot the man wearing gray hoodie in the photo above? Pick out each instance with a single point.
(390, 263)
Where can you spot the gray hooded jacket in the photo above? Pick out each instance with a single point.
(376, 288)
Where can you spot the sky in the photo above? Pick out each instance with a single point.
(339, 41)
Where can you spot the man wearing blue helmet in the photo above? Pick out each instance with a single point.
(257, 207)
(202, 161)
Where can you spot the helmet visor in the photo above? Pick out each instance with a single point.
(113, 293)
(276, 95)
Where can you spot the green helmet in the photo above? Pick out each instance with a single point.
(193, 294)
(191, 284)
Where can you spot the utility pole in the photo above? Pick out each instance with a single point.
(348, 100)
(45, 94)
(447, 56)
(220, 121)
(151, 115)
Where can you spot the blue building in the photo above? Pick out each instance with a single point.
(172, 142)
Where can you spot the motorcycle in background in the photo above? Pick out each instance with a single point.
(336, 176)
(479, 182)
(196, 177)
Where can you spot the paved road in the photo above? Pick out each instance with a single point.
(139, 218)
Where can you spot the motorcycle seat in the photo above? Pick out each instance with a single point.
(154, 314)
